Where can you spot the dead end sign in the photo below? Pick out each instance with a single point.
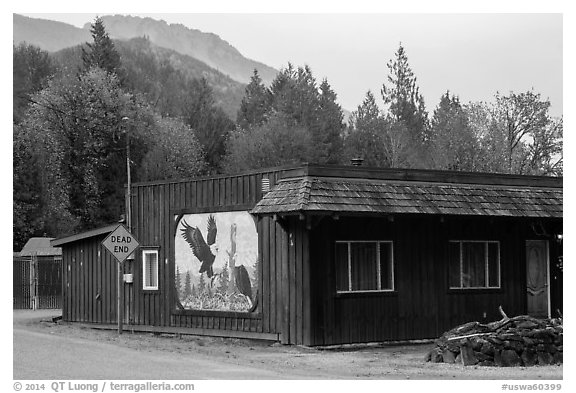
(120, 243)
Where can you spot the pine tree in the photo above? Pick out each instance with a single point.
(178, 282)
(405, 103)
(208, 121)
(364, 139)
(295, 95)
(256, 278)
(101, 52)
(301, 118)
(453, 144)
(201, 284)
(224, 279)
(327, 133)
(255, 103)
(187, 284)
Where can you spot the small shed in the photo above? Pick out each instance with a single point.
(323, 255)
(37, 275)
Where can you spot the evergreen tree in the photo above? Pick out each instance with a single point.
(364, 139)
(298, 106)
(453, 144)
(405, 103)
(255, 103)
(187, 284)
(327, 134)
(178, 282)
(295, 95)
(256, 278)
(224, 280)
(101, 52)
(209, 123)
(201, 284)
(381, 141)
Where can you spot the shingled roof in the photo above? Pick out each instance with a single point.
(325, 195)
(40, 246)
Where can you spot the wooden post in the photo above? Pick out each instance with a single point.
(34, 281)
(232, 260)
(119, 311)
(129, 225)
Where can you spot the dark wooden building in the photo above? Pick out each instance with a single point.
(322, 255)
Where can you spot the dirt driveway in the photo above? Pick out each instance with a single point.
(45, 350)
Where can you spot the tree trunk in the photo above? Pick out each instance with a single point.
(232, 260)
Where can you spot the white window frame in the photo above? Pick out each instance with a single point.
(486, 262)
(145, 270)
(378, 268)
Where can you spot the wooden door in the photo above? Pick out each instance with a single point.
(537, 278)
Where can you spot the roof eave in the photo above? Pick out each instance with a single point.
(84, 235)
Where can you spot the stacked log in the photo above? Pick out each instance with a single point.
(510, 342)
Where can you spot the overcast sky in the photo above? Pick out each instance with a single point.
(472, 55)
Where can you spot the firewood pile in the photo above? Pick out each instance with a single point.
(510, 342)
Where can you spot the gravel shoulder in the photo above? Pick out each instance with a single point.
(251, 358)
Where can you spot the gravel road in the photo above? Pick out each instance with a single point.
(45, 350)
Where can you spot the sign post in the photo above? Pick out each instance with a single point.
(121, 244)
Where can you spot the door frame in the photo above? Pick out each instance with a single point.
(548, 282)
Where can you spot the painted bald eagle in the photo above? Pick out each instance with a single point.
(203, 250)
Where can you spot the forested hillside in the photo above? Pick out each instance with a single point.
(162, 75)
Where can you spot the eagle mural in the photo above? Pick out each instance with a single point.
(216, 258)
(205, 251)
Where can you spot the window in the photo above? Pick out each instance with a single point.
(150, 269)
(364, 266)
(474, 264)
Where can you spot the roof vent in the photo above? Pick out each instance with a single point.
(357, 161)
(265, 185)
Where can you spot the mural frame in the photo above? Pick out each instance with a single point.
(172, 292)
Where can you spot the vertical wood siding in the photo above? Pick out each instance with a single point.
(88, 282)
(90, 275)
(421, 306)
(154, 207)
(297, 297)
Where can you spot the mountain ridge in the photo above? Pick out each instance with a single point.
(206, 47)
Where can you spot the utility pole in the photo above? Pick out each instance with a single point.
(120, 293)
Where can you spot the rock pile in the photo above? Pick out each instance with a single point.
(517, 341)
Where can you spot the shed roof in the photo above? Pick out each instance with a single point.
(39, 246)
(347, 195)
(84, 235)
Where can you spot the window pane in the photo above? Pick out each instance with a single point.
(342, 267)
(493, 265)
(474, 265)
(386, 266)
(364, 266)
(151, 266)
(454, 264)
